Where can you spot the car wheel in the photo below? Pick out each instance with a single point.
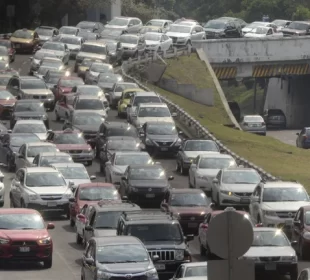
(78, 239)
(48, 263)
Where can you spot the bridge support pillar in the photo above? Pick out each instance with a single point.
(291, 94)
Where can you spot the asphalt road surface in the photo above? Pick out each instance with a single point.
(67, 255)
(285, 136)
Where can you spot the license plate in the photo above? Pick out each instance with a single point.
(192, 225)
(289, 222)
(245, 200)
(52, 204)
(160, 266)
(270, 266)
(150, 195)
(164, 149)
(24, 249)
(253, 125)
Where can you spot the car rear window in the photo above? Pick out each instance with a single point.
(275, 112)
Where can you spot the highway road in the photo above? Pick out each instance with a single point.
(285, 136)
(67, 255)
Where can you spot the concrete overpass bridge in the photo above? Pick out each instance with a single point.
(283, 62)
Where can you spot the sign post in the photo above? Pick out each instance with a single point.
(229, 236)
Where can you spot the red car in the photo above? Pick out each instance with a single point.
(90, 194)
(7, 101)
(24, 236)
(10, 47)
(65, 85)
(72, 142)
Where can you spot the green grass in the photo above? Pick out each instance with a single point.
(277, 158)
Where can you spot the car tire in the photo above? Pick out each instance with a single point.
(78, 239)
(48, 263)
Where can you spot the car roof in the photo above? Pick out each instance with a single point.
(29, 121)
(96, 184)
(215, 155)
(282, 184)
(137, 89)
(41, 169)
(54, 154)
(95, 43)
(70, 164)
(116, 240)
(185, 190)
(4, 211)
(68, 26)
(33, 144)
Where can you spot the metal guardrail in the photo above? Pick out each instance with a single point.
(185, 119)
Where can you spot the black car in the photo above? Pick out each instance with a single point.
(10, 144)
(275, 118)
(108, 129)
(145, 184)
(29, 109)
(222, 28)
(116, 51)
(117, 143)
(161, 234)
(106, 81)
(160, 137)
(86, 122)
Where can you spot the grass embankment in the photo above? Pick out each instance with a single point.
(277, 158)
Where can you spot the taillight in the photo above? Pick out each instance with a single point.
(246, 123)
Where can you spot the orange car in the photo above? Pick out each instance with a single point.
(25, 40)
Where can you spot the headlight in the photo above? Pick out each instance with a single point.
(148, 141)
(117, 173)
(269, 213)
(152, 273)
(45, 241)
(4, 241)
(290, 258)
(67, 195)
(103, 275)
(227, 192)
(306, 235)
(179, 255)
(33, 196)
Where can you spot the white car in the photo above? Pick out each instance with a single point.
(164, 24)
(271, 251)
(36, 127)
(74, 43)
(61, 50)
(205, 167)
(234, 186)
(192, 269)
(255, 24)
(95, 69)
(74, 173)
(263, 32)
(2, 190)
(116, 167)
(40, 188)
(157, 42)
(27, 153)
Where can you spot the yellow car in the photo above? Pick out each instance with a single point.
(25, 40)
(125, 100)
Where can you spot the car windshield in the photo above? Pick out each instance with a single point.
(196, 271)
(146, 99)
(33, 84)
(68, 30)
(130, 159)
(201, 145)
(155, 23)
(101, 68)
(4, 80)
(285, 194)
(147, 173)
(127, 39)
(299, 26)
(95, 49)
(253, 119)
(17, 221)
(44, 179)
(44, 31)
(260, 30)
(69, 138)
(98, 193)
(74, 172)
(29, 107)
(108, 219)
(146, 112)
(22, 34)
(89, 104)
(29, 128)
(270, 239)
(17, 141)
(122, 145)
(40, 55)
(119, 21)
(162, 129)
(33, 151)
(122, 87)
(71, 82)
(110, 78)
(217, 163)
(53, 46)
(152, 37)
(88, 120)
(4, 94)
(215, 24)
(240, 177)
(48, 160)
(70, 41)
(180, 29)
(189, 199)
(122, 131)
(52, 63)
(3, 51)
(122, 253)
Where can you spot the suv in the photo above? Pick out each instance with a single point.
(162, 236)
(103, 217)
(274, 117)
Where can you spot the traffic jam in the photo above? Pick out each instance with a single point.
(83, 145)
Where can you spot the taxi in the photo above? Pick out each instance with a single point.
(125, 100)
(72, 142)
(84, 66)
(25, 40)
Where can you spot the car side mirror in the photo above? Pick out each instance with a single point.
(189, 237)
(215, 181)
(155, 258)
(92, 177)
(170, 178)
(89, 228)
(89, 261)
(72, 199)
(50, 226)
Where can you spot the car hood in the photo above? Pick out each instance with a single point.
(66, 147)
(124, 268)
(42, 136)
(194, 154)
(7, 101)
(57, 53)
(24, 234)
(168, 138)
(177, 34)
(37, 91)
(73, 47)
(188, 210)
(151, 119)
(246, 188)
(127, 45)
(92, 128)
(149, 183)
(213, 30)
(284, 205)
(151, 42)
(297, 31)
(104, 232)
(92, 55)
(265, 251)
(102, 113)
(52, 190)
(20, 40)
(29, 114)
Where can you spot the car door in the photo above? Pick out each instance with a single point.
(16, 188)
(89, 269)
(202, 230)
(20, 158)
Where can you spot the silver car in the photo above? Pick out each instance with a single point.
(129, 24)
(183, 35)
(61, 50)
(254, 124)
(74, 43)
(37, 59)
(95, 70)
(133, 45)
